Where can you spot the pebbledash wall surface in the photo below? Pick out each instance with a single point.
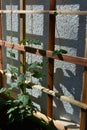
(70, 35)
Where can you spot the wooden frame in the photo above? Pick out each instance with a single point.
(22, 34)
(48, 53)
(1, 53)
(65, 12)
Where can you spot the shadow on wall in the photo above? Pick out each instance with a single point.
(67, 85)
(36, 28)
(39, 29)
(71, 31)
(68, 77)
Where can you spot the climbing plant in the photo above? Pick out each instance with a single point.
(22, 106)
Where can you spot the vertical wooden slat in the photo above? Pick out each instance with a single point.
(22, 33)
(1, 62)
(51, 45)
(83, 121)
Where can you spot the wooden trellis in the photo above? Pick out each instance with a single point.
(48, 53)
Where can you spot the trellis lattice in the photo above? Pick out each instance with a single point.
(48, 53)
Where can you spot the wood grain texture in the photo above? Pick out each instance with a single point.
(65, 12)
(46, 53)
(83, 121)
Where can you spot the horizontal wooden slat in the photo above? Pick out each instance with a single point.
(46, 53)
(63, 57)
(52, 93)
(65, 12)
(12, 45)
(61, 97)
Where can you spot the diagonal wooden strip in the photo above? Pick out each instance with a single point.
(61, 97)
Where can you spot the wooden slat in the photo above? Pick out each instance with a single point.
(63, 57)
(46, 53)
(22, 34)
(1, 60)
(51, 92)
(51, 44)
(61, 97)
(83, 121)
(65, 12)
(12, 45)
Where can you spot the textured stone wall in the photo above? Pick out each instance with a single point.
(70, 35)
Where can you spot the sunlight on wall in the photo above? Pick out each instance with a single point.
(35, 23)
(12, 39)
(67, 25)
(14, 18)
(67, 106)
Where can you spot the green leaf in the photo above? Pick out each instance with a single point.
(12, 86)
(33, 41)
(21, 78)
(13, 70)
(11, 109)
(34, 65)
(12, 54)
(22, 111)
(24, 99)
(8, 94)
(23, 41)
(10, 116)
(2, 90)
(63, 51)
(37, 74)
(28, 86)
(58, 52)
(55, 13)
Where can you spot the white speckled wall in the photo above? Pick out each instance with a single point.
(70, 35)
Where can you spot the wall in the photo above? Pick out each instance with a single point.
(70, 35)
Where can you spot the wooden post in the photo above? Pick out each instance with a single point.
(22, 34)
(83, 121)
(51, 45)
(1, 62)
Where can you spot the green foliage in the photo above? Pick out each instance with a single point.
(34, 65)
(37, 74)
(22, 106)
(13, 70)
(24, 99)
(31, 41)
(34, 41)
(55, 13)
(35, 69)
(12, 86)
(23, 41)
(2, 90)
(58, 52)
(11, 53)
(21, 78)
